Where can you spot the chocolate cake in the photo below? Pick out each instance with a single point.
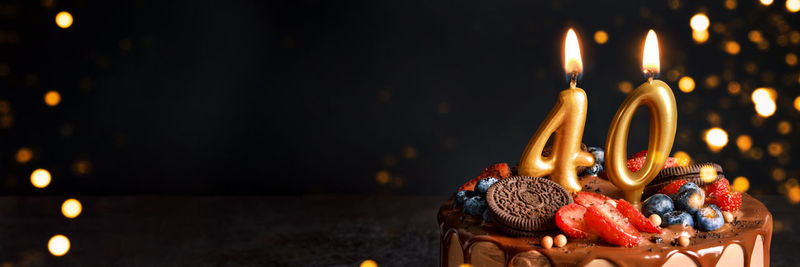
(500, 238)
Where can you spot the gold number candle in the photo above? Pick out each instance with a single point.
(660, 102)
(566, 120)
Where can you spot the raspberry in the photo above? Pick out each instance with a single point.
(672, 187)
(729, 201)
(720, 187)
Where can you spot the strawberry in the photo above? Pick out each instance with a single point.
(636, 161)
(672, 187)
(499, 171)
(607, 222)
(636, 218)
(569, 219)
(470, 185)
(729, 201)
(588, 199)
(720, 187)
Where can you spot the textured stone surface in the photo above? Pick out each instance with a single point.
(254, 231)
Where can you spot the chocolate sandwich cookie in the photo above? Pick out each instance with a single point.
(520, 205)
(689, 173)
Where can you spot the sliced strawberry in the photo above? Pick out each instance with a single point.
(672, 187)
(636, 218)
(499, 171)
(718, 188)
(587, 199)
(729, 201)
(569, 219)
(607, 222)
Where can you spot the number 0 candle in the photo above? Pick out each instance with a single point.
(660, 102)
(566, 120)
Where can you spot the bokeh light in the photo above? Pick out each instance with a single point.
(778, 174)
(64, 19)
(24, 155)
(601, 37)
(744, 142)
(382, 176)
(740, 184)
(682, 158)
(716, 138)
(58, 245)
(730, 4)
(766, 2)
(699, 22)
(708, 174)
(625, 87)
(71, 208)
(793, 5)
(369, 263)
(764, 101)
(465, 265)
(700, 36)
(791, 58)
(52, 98)
(797, 103)
(732, 47)
(774, 149)
(686, 84)
(40, 178)
(784, 127)
(755, 36)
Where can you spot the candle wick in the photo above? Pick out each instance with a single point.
(650, 75)
(573, 80)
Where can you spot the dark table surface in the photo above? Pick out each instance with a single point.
(255, 231)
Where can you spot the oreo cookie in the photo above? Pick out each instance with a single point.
(521, 205)
(689, 173)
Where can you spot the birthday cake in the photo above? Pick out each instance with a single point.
(690, 217)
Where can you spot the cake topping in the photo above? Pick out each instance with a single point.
(587, 199)
(569, 219)
(636, 161)
(521, 204)
(701, 174)
(636, 218)
(608, 223)
(499, 171)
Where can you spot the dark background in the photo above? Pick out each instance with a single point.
(301, 97)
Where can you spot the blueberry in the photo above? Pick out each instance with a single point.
(690, 198)
(709, 218)
(599, 154)
(689, 186)
(657, 204)
(462, 196)
(594, 169)
(475, 206)
(483, 185)
(676, 217)
(486, 216)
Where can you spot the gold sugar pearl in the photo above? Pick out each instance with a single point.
(728, 216)
(655, 219)
(683, 241)
(547, 242)
(560, 241)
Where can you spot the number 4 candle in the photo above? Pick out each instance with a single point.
(566, 120)
(660, 102)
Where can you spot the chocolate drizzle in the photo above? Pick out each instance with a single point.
(753, 220)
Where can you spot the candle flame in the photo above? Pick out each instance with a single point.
(572, 54)
(650, 61)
